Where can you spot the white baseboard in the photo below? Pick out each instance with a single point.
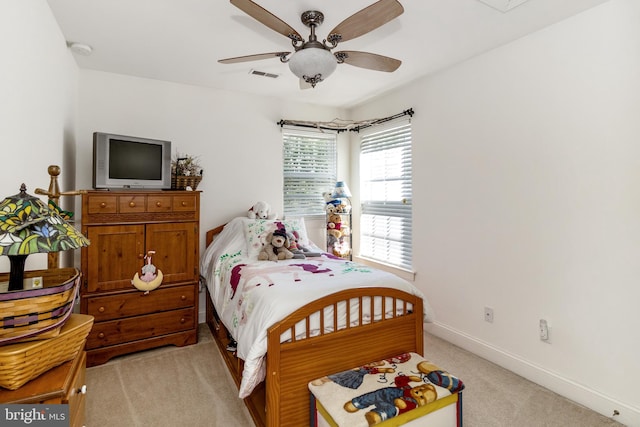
(592, 399)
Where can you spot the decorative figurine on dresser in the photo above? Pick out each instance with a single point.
(138, 304)
(338, 212)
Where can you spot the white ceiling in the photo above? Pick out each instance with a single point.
(181, 40)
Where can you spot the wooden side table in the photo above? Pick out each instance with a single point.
(64, 384)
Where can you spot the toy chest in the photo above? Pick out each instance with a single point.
(405, 390)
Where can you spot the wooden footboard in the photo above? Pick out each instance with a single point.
(292, 364)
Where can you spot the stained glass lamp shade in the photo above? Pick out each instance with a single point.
(29, 226)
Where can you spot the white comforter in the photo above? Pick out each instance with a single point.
(251, 295)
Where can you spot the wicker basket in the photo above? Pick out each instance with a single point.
(38, 313)
(20, 363)
(181, 182)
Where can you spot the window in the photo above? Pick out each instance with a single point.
(386, 195)
(309, 170)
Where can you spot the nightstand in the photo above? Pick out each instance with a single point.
(64, 384)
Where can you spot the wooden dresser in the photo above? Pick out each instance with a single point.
(122, 227)
(62, 385)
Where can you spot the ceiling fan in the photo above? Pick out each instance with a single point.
(312, 61)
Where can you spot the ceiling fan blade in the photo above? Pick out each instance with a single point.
(256, 57)
(267, 18)
(368, 19)
(368, 60)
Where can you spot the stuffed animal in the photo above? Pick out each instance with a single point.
(261, 210)
(331, 204)
(334, 225)
(306, 250)
(151, 276)
(342, 207)
(275, 247)
(294, 247)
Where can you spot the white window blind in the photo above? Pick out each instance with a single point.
(309, 170)
(386, 195)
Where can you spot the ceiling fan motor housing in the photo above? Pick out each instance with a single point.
(312, 18)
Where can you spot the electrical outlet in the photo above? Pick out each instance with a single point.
(488, 314)
(544, 330)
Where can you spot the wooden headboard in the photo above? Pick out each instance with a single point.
(213, 233)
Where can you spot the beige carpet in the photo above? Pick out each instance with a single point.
(190, 386)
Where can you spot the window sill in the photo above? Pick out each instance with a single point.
(405, 274)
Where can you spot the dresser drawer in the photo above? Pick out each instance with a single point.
(140, 327)
(102, 204)
(186, 203)
(159, 203)
(134, 203)
(138, 303)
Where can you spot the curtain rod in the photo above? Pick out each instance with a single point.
(338, 125)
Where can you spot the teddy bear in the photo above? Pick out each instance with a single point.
(343, 207)
(331, 204)
(261, 210)
(275, 246)
(334, 225)
(389, 402)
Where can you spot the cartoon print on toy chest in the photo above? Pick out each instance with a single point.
(389, 402)
(439, 377)
(353, 378)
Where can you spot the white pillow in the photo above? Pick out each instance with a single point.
(256, 231)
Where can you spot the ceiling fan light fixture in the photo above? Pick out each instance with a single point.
(313, 64)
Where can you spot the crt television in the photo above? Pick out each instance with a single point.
(129, 162)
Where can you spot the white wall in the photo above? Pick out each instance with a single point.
(235, 136)
(527, 200)
(38, 89)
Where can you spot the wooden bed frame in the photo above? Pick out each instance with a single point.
(283, 399)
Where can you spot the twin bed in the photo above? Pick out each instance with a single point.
(281, 324)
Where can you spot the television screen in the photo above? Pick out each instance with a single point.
(134, 160)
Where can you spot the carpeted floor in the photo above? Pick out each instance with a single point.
(190, 386)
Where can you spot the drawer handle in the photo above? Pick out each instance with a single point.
(82, 390)
(184, 204)
(101, 335)
(101, 309)
(183, 297)
(103, 205)
(183, 320)
(132, 204)
(158, 204)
